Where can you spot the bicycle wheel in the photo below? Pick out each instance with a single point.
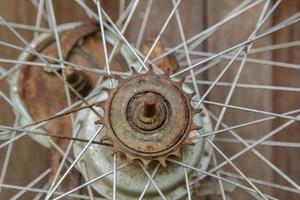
(149, 100)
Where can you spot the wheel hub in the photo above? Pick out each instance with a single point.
(148, 117)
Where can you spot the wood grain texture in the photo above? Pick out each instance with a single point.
(234, 32)
(30, 159)
(27, 153)
(287, 159)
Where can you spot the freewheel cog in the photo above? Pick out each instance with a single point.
(148, 117)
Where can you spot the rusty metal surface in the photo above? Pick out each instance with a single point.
(43, 92)
(143, 137)
(168, 63)
(68, 40)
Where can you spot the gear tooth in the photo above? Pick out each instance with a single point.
(188, 141)
(191, 95)
(176, 153)
(115, 150)
(195, 127)
(196, 111)
(179, 83)
(134, 71)
(150, 71)
(146, 163)
(130, 158)
(100, 104)
(162, 161)
(167, 73)
(100, 121)
(121, 81)
(106, 137)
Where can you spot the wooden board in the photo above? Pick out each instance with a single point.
(196, 15)
(287, 159)
(232, 33)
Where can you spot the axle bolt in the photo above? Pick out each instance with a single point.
(150, 105)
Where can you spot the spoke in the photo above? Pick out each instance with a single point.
(187, 182)
(86, 178)
(250, 110)
(231, 91)
(60, 53)
(162, 30)
(259, 155)
(63, 160)
(64, 111)
(217, 177)
(265, 143)
(275, 47)
(103, 38)
(259, 24)
(37, 190)
(261, 182)
(115, 177)
(25, 27)
(31, 184)
(37, 5)
(74, 163)
(74, 65)
(206, 36)
(265, 137)
(210, 29)
(250, 38)
(117, 45)
(125, 14)
(45, 61)
(88, 183)
(261, 62)
(149, 182)
(183, 38)
(39, 195)
(291, 20)
(242, 125)
(39, 16)
(122, 4)
(144, 23)
(152, 181)
(218, 78)
(236, 168)
(8, 154)
(249, 86)
(221, 186)
(124, 39)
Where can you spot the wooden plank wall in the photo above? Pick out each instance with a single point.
(232, 33)
(287, 159)
(196, 15)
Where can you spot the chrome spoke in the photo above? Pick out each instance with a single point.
(88, 183)
(161, 31)
(265, 143)
(221, 186)
(152, 181)
(143, 26)
(291, 20)
(31, 184)
(114, 176)
(74, 163)
(149, 182)
(236, 168)
(217, 177)
(210, 29)
(197, 48)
